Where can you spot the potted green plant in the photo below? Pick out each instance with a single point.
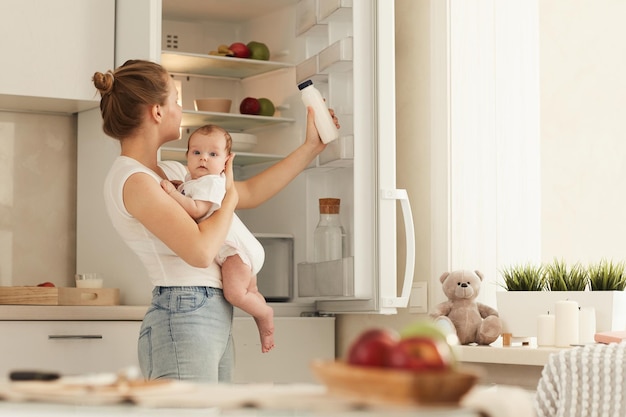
(532, 290)
(559, 277)
(607, 276)
(526, 277)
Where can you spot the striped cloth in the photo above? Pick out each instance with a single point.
(583, 382)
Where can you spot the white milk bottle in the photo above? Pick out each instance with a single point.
(323, 120)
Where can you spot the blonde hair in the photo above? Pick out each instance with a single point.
(208, 129)
(126, 91)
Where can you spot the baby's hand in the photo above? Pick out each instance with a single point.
(168, 186)
(231, 190)
(228, 171)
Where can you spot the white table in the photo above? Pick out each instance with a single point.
(187, 399)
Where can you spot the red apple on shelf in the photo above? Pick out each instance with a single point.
(372, 347)
(420, 354)
(240, 50)
(46, 284)
(250, 105)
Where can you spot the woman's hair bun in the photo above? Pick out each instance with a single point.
(103, 82)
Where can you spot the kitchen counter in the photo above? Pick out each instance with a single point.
(507, 355)
(509, 365)
(34, 312)
(118, 312)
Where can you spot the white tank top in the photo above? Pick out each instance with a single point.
(164, 267)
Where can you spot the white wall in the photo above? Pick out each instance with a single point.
(583, 129)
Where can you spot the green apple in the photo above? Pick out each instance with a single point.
(267, 107)
(258, 50)
(423, 328)
(440, 329)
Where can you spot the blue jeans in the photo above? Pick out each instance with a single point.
(186, 334)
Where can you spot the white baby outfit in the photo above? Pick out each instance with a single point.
(239, 241)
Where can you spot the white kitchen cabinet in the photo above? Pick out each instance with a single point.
(89, 346)
(68, 347)
(299, 340)
(51, 50)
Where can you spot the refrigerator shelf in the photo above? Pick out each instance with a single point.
(307, 70)
(338, 153)
(217, 66)
(230, 121)
(334, 11)
(306, 20)
(326, 279)
(171, 153)
(336, 57)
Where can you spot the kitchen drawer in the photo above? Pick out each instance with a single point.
(68, 347)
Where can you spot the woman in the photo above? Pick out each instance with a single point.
(186, 333)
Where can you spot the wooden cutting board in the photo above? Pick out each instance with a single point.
(60, 296)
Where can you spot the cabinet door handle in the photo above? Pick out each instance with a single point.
(74, 336)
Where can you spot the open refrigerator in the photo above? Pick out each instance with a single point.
(347, 48)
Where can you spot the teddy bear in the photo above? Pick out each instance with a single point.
(474, 322)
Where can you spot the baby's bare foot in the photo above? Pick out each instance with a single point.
(266, 331)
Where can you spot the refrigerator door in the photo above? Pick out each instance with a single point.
(375, 251)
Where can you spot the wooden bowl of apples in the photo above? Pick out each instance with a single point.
(382, 368)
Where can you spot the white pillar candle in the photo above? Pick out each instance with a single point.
(587, 325)
(566, 323)
(545, 330)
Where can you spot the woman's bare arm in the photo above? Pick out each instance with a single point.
(266, 184)
(196, 243)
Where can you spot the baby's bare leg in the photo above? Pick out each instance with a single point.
(240, 290)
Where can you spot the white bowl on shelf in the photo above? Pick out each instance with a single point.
(243, 142)
(213, 104)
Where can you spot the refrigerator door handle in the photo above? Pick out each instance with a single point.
(409, 233)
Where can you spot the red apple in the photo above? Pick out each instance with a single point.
(46, 284)
(250, 105)
(240, 50)
(420, 353)
(372, 347)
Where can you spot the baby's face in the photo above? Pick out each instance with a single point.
(207, 154)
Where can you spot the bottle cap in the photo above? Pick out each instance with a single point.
(305, 84)
(329, 205)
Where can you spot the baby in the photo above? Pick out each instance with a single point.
(241, 256)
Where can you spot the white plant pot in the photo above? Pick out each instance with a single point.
(519, 310)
